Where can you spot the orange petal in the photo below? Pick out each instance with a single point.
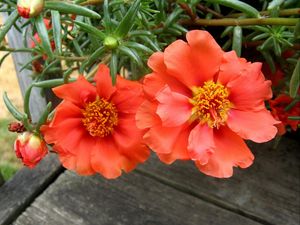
(67, 160)
(78, 92)
(174, 109)
(126, 134)
(231, 151)
(201, 144)
(104, 82)
(179, 149)
(135, 154)
(152, 83)
(106, 159)
(250, 97)
(205, 54)
(66, 133)
(66, 110)
(156, 62)
(162, 139)
(128, 97)
(256, 126)
(146, 116)
(231, 67)
(83, 156)
(177, 57)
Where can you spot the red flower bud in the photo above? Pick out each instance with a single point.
(30, 8)
(30, 148)
(16, 127)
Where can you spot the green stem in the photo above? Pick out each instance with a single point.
(71, 58)
(283, 12)
(16, 50)
(242, 22)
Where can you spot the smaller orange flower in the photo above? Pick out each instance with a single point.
(30, 148)
(94, 130)
(278, 106)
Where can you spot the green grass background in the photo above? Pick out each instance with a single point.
(9, 163)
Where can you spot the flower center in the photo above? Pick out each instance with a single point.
(211, 104)
(100, 117)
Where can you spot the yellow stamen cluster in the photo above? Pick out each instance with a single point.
(100, 117)
(211, 104)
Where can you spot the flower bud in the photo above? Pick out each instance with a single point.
(30, 148)
(110, 42)
(30, 8)
(16, 127)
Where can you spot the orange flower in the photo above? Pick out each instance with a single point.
(30, 149)
(94, 130)
(278, 106)
(201, 104)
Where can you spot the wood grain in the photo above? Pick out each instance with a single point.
(19, 192)
(37, 102)
(133, 199)
(268, 191)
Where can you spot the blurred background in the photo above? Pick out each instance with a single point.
(9, 164)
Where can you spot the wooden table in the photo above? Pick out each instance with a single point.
(266, 193)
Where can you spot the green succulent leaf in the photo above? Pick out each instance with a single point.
(238, 5)
(127, 22)
(8, 24)
(56, 23)
(43, 34)
(295, 80)
(69, 8)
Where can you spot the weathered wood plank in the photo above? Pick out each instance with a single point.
(268, 191)
(19, 192)
(37, 102)
(132, 199)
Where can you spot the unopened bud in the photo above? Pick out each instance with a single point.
(30, 8)
(30, 148)
(110, 42)
(16, 127)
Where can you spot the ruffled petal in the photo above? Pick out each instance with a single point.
(201, 144)
(105, 159)
(162, 139)
(152, 83)
(126, 134)
(83, 156)
(205, 55)
(67, 133)
(135, 154)
(174, 109)
(231, 67)
(179, 149)
(231, 151)
(146, 116)
(177, 57)
(256, 126)
(250, 97)
(79, 92)
(128, 97)
(104, 84)
(156, 62)
(66, 110)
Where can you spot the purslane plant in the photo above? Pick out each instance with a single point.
(67, 37)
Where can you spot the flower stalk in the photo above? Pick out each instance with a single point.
(242, 22)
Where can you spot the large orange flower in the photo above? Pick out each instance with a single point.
(94, 130)
(201, 104)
